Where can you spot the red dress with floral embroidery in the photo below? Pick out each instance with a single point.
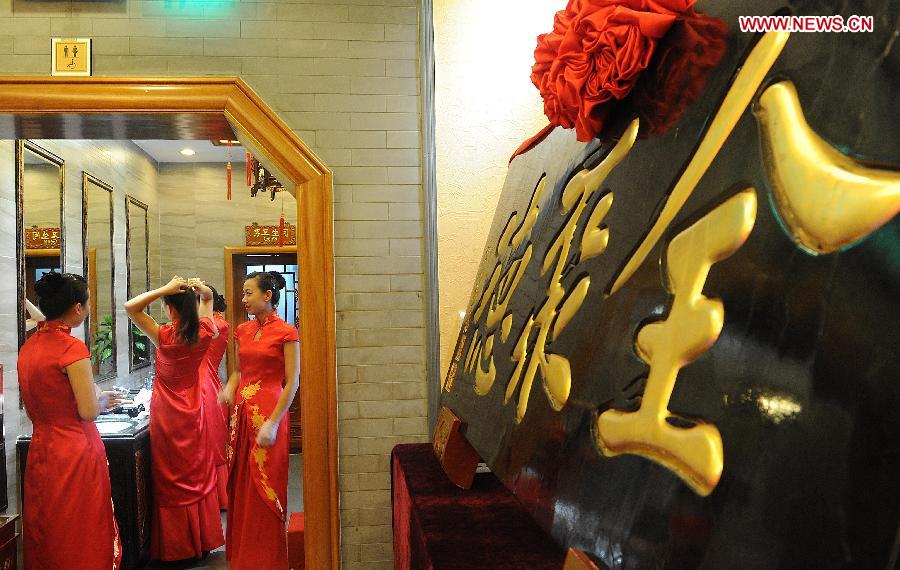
(186, 520)
(68, 507)
(257, 481)
(214, 413)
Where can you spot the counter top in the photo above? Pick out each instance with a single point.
(113, 426)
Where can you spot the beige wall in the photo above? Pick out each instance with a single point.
(197, 221)
(485, 106)
(344, 76)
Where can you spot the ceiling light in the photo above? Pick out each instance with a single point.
(188, 152)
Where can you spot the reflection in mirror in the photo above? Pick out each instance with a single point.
(39, 199)
(138, 260)
(97, 225)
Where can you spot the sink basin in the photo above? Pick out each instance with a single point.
(112, 427)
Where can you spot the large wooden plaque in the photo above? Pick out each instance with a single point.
(682, 350)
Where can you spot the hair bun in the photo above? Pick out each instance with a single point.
(278, 280)
(49, 284)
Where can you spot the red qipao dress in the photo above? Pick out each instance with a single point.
(68, 507)
(214, 413)
(186, 519)
(258, 476)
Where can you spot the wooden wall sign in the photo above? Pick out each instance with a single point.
(676, 351)
(257, 235)
(41, 238)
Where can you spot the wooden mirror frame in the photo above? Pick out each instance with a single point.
(90, 323)
(89, 107)
(131, 204)
(21, 252)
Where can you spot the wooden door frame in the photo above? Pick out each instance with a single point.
(80, 107)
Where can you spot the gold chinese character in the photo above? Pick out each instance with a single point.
(743, 87)
(559, 307)
(826, 199)
(692, 326)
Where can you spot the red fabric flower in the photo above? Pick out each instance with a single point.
(684, 60)
(595, 54)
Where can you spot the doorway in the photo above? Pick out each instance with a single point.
(213, 108)
(242, 261)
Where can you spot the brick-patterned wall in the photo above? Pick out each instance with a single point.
(344, 76)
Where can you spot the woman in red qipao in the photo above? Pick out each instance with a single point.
(186, 521)
(262, 389)
(68, 508)
(214, 413)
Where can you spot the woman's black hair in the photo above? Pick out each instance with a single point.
(185, 304)
(59, 291)
(219, 305)
(269, 281)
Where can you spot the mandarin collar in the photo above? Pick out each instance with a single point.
(273, 316)
(47, 326)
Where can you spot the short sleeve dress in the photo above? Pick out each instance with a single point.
(257, 481)
(67, 477)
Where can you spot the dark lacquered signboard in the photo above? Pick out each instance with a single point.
(683, 350)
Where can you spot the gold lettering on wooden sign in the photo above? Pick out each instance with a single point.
(746, 82)
(41, 238)
(555, 370)
(257, 235)
(499, 291)
(692, 326)
(826, 199)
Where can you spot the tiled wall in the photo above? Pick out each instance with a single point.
(197, 220)
(344, 75)
(129, 171)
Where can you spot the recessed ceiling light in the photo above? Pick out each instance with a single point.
(188, 152)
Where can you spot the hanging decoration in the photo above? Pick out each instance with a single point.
(263, 180)
(281, 224)
(249, 170)
(228, 171)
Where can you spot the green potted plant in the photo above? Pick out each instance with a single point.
(102, 349)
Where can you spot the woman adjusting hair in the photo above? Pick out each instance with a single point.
(186, 522)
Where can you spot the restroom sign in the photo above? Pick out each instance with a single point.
(71, 56)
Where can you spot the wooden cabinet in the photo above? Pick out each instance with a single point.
(9, 543)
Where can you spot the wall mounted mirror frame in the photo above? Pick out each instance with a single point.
(36, 253)
(137, 254)
(100, 329)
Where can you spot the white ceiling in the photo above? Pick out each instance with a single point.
(170, 151)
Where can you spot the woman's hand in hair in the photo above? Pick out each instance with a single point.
(200, 287)
(176, 285)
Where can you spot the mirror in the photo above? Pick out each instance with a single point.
(137, 252)
(97, 225)
(40, 179)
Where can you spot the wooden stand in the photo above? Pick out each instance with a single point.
(456, 456)
(9, 543)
